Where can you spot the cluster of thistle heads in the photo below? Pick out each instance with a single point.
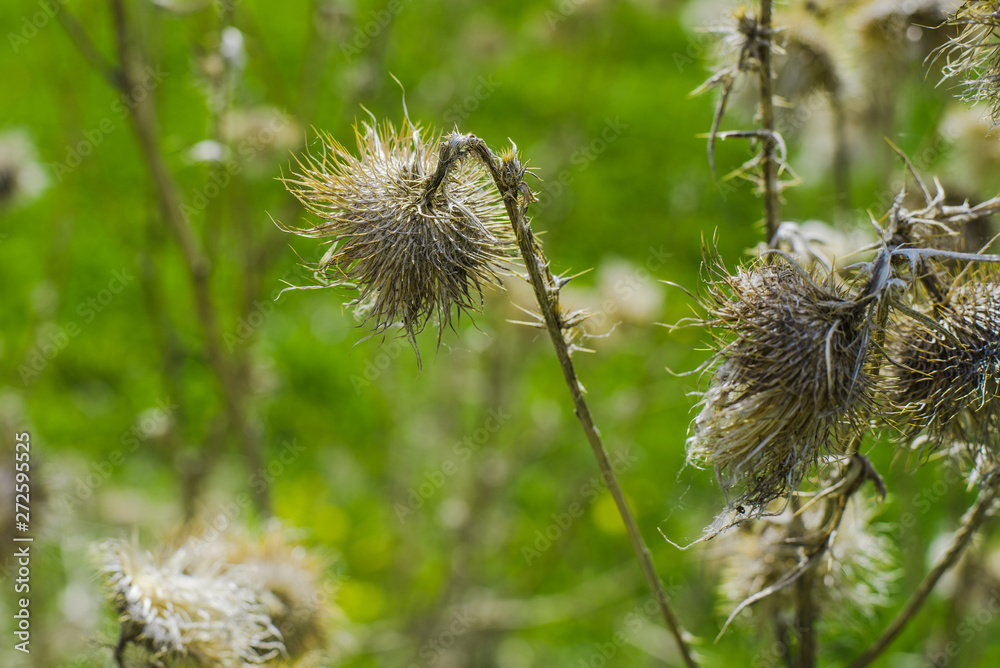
(225, 599)
(810, 356)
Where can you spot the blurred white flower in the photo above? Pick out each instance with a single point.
(178, 605)
(22, 178)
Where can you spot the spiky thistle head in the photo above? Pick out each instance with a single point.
(973, 56)
(416, 227)
(789, 380)
(177, 605)
(946, 378)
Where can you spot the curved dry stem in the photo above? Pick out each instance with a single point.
(508, 173)
(971, 522)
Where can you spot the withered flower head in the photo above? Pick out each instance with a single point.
(178, 606)
(789, 383)
(946, 379)
(810, 61)
(973, 57)
(219, 599)
(849, 582)
(416, 229)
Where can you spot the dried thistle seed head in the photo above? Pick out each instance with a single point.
(789, 382)
(849, 582)
(178, 605)
(288, 581)
(900, 30)
(414, 245)
(973, 56)
(946, 379)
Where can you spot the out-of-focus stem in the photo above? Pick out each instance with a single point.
(143, 117)
(772, 200)
(841, 155)
(971, 521)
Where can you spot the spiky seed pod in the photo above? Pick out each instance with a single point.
(849, 582)
(178, 606)
(790, 381)
(973, 57)
(414, 246)
(946, 380)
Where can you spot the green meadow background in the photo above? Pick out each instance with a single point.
(457, 506)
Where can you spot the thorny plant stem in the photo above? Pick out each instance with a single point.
(143, 117)
(772, 201)
(508, 176)
(971, 522)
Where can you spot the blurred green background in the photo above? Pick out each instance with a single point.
(105, 363)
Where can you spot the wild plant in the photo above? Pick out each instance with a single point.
(814, 360)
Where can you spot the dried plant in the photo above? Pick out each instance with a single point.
(973, 57)
(809, 356)
(414, 247)
(178, 606)
(418, 233)
(946, 377)
(851, 580)
(231, 600)
(790, 384)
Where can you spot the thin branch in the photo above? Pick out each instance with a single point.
(805, 606)
(143, 119)
(971, 521)
(720, 110)
(772, 200)
(508, 176)
(114, 75)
